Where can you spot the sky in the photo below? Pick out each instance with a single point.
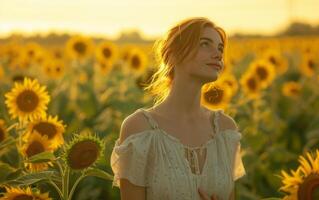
(153, 18)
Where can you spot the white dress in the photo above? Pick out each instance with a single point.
(156, 160)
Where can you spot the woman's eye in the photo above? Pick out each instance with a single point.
(204, 44)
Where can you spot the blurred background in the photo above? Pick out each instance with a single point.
(95, 57)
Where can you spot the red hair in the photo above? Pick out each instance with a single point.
(179, 42)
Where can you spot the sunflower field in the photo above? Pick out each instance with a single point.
(61, 108)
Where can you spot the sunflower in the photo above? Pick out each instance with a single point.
(54, 68)
(125, 52)
(275, 58)
(304, 182)
(20, 61)
(307, 49)
(290, 183)
(48, 126)
(104, 66)
(79, 47)
(106, 51)
(291, 89)
(57, 53)
(16, 193)
(3, 131)
(137, 60)
(215, 95)
(250, 84)
(32, 52)
(27, 100)
(309, 66)
(13, 54)
(83, 151)
(264, 71)
(229, 80)
(36, 144)
(26, 63)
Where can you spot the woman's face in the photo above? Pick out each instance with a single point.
(207, 63)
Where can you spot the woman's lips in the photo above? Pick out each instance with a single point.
(216, 66)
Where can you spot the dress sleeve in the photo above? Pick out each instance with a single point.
(238, 167)
(129, 160)
(234, 152)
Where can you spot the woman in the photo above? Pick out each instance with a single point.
(178, 149)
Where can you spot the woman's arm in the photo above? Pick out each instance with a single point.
(232, 195)
(130, 191)
(132, 124)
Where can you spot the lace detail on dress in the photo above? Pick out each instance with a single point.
(191, 152)
(159, 162)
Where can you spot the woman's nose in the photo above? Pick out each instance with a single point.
(216, 54)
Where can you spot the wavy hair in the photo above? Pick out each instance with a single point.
(179, 42)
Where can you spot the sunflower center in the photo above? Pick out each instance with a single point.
(27, 101)
(83, 154)
(107, 52)
(294, 91)
(136, 62)
(34, 148)
(273, 60)
(58, 54)
(1, 134)
(311, 64)
(309, 189)
(214, 96)
(80, 47)
(23, 197)
(262, 73)
(46, 128)
(251, 83)
(31, 53)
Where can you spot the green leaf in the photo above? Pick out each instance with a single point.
(7, 142)
(98, 173)
(5, 171)
(32, 178)
(42, 157)
(15, 174)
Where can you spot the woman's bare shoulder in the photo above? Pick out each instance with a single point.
(227, 122)
(133, 124)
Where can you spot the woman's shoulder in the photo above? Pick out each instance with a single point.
(133, 124)
(222, 120)
(226, 122)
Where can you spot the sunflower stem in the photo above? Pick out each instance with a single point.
(12, 126)
(74, 186)
(65, 183)
(60, 167)
(56, 188)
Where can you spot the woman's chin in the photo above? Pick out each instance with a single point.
(211, 78)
